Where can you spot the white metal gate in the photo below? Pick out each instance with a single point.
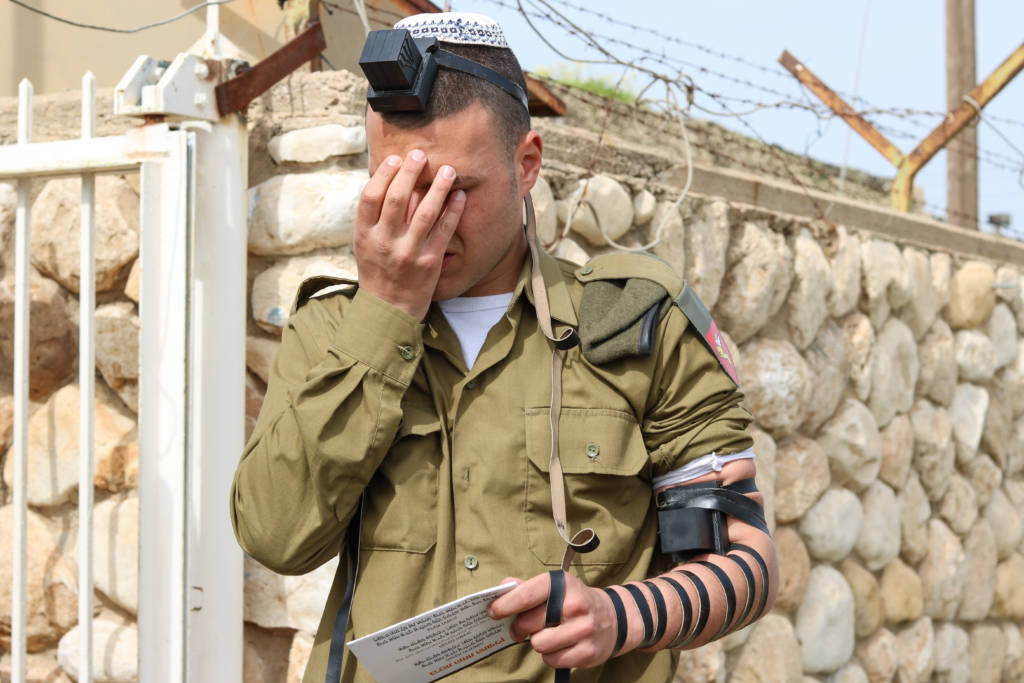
(191, 384)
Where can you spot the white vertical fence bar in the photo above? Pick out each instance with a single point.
(217, 399)
(22, 267)
(163, 427)
(86, 388)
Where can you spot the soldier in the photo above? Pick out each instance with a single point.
(408, 419)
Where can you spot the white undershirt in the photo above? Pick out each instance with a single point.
(698, 467)
(471, 318)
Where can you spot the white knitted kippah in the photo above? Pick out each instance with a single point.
(455, 27)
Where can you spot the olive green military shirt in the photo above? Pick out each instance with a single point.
(363, 400)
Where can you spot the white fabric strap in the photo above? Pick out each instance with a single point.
(705, 464)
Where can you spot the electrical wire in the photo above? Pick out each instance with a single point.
(111, 29)
(361, 11)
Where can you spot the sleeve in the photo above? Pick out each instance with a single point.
(694, 407)
(331, 412)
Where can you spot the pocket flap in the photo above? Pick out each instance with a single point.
(590, 441)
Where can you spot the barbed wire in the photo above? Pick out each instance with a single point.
(97, 27)
(824, 175)
(680, 82)
(727, 103)
(788, 100)
(773, 71)
(820, 111)
(677, 73)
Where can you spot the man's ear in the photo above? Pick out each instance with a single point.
(527, 161)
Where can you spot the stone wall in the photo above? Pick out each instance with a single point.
(886, 377)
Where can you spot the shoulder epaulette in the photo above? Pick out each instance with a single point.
(627, 266)
(322, 285)
(624, 298)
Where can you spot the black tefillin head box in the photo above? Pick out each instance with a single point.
(400, 69)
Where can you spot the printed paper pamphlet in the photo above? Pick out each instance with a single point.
(437, 643)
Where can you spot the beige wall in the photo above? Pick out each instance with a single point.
(54, 56)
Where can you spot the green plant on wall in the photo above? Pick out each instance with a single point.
(605, 85)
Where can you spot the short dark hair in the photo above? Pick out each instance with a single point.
(454, 90)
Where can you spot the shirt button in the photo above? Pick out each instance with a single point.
(408, 353)
(471, 384)
(586, 270)
(593, 450)
(471, 562)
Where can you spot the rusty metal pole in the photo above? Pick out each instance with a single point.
(962, 159)
(840, 107)
(967, 108)
(954, 122)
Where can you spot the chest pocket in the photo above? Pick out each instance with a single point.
(400, 511)
(607, 482)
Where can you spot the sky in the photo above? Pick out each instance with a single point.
(902, 65)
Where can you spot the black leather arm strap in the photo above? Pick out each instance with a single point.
(645, 613)
(705, 606)
(748, 576)
(620, 620)
(684, 600)
(730, 596)
(710, 496)
(764, 574)
(553, 612)
(660, 609)
(556, 594)
(742, 486)
(336, 652)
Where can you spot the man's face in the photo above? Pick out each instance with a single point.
(486, 252)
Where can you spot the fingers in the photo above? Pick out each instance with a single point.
(433, 203)
(442, 233)
(372, 196)
(525, 596)
(586, 635)
(396, 200)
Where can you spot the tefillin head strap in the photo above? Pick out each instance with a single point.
(450, 60)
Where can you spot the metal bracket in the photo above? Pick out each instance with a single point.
(236, 94)
(181, 89)
(188, 89)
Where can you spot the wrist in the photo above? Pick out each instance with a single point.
(415, 308)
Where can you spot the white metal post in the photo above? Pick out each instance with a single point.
(163, 390)
(86, 388)
(217, 391)
(22, 266)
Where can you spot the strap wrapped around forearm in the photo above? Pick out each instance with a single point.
(684, 602)
(730, 596)
(704, 607)
(762, 567)
(661, 610)
(748, 576)
(691, 519)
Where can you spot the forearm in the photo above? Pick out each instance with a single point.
(320, 437)
(694, 598)
(709, 595)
